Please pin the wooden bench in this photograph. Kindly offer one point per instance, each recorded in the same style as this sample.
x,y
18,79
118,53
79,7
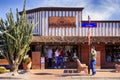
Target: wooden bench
x,y
81,67
117,67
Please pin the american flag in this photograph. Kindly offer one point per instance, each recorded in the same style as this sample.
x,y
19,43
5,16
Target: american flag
x,y
88,30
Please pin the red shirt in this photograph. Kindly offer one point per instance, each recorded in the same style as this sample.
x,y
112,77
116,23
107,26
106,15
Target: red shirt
x,y
61,54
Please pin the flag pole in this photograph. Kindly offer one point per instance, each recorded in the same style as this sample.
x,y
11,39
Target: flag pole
x,y
88,45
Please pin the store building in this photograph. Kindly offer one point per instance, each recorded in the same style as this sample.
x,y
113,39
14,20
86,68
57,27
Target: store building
x,y
62,27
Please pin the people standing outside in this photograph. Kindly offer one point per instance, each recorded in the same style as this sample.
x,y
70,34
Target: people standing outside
x,y
61,56
93,60
57,61
50,52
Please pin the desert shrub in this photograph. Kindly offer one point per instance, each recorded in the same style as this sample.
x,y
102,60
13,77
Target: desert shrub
x,y
3,70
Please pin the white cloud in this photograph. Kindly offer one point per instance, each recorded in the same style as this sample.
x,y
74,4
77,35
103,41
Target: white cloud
x,y
67,3
113,7
104,11
97,9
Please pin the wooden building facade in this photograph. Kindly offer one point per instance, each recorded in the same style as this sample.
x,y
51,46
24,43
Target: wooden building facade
x,y
62,27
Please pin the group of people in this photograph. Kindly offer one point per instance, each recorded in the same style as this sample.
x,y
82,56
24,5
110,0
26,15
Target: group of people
x,y
58,57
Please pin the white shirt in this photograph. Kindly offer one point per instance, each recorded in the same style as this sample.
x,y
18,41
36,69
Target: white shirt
x,y
56,53
50,53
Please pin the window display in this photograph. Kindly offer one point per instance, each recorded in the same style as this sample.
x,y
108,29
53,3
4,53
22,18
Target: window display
x,y
113,53
70,52
62,56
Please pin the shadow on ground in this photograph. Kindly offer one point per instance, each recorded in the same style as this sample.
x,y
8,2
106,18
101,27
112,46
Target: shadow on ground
x,y
43,74
66,73
12,78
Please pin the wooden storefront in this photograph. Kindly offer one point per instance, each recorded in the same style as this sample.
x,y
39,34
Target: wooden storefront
x,y
62,26
83,48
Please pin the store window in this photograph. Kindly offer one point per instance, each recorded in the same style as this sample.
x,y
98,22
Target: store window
x,y
70,51
113,53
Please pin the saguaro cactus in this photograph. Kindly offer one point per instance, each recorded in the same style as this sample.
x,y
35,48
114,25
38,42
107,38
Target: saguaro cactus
x,y
16,38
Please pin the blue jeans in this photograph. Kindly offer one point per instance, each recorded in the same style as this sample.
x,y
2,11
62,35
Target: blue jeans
x,y
57,61
49,62
92,64
62,59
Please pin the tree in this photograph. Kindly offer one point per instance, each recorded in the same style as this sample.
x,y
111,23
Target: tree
x,y
16,38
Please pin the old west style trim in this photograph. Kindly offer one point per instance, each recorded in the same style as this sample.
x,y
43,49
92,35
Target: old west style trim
x,y
75,39
54,9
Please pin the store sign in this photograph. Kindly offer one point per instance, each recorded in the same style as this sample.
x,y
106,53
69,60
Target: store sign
x,y
62,21
89,24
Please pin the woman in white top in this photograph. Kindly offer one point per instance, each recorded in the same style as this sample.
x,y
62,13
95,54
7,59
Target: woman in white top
x,y
57,61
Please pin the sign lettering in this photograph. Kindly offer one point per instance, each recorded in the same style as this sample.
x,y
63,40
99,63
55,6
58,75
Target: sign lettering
x,y
62,22
89,25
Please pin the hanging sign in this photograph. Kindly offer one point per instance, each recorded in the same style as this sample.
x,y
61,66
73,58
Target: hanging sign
x,y
62,22
89,25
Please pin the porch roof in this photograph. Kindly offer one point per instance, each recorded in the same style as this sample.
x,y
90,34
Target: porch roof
x,y
76,39
53,9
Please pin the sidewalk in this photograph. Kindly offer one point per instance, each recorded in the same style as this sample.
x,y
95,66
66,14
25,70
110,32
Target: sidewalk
x,y
58,74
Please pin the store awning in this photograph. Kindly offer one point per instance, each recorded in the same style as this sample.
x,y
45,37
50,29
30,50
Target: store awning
x,y
75,39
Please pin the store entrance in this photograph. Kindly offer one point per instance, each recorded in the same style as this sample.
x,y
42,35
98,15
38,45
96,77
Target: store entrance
x,y
60,56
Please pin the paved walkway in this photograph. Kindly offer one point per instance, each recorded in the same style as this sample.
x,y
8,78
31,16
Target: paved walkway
x,y
58,74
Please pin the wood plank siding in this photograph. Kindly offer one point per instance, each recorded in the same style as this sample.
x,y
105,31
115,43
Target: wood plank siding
x,y
42,15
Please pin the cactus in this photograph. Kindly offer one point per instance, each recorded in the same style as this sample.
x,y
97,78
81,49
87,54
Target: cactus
x,y
16,38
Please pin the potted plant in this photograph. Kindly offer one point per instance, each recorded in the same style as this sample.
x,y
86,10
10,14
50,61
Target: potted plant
x,y
27,63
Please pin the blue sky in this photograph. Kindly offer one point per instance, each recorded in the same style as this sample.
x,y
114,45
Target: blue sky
x,y
97,9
